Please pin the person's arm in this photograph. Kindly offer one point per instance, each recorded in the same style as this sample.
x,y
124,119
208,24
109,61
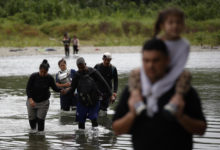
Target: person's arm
x,y
192,121
29,86
73,84
60,85
78,42
123,125
115,82
53,85
68,84
29,90
125,112
193,126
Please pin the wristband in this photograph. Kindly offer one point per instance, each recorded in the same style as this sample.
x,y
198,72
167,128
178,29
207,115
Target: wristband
x,y
139,107
172,108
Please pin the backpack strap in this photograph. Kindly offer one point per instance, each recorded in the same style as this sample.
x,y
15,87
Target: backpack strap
x,y
113,69
98,66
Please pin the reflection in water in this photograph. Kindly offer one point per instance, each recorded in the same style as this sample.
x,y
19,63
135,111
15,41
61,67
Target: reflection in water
x,y
37,141
61,131
67,118
208,85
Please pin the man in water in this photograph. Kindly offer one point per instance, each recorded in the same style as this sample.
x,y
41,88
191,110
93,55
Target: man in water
x,y
110,74
175,120
85,81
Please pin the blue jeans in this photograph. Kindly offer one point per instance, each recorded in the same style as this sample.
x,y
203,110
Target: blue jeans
x,y
83,112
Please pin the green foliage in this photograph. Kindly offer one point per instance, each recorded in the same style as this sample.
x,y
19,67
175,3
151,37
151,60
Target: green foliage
x,y
80,9
102,22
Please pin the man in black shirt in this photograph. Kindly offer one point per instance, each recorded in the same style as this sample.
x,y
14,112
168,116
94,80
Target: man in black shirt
x,y
86,81
110,74
168,130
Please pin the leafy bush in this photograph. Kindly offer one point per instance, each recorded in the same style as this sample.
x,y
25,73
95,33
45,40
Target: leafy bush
x,y
104,22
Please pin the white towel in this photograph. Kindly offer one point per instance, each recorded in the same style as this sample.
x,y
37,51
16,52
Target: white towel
x,y
178,51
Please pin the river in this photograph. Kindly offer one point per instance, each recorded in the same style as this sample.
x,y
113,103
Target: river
x,y
61,132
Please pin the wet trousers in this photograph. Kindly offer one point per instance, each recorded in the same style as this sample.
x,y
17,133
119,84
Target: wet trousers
x,y
37,114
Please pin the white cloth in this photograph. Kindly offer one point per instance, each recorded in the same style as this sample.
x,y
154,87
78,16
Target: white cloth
x,y
64,76
178,52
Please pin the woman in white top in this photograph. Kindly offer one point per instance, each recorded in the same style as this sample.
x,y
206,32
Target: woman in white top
x,y
63,80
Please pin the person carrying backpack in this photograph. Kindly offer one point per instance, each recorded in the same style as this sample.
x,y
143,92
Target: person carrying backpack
x,y
88,82
110,74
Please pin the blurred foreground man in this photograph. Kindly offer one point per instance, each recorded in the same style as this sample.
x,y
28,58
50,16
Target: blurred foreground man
x,y
175,120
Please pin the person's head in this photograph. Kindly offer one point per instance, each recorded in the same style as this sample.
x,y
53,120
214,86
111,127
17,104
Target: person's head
x,y
171,21
65,34
74,36
44,67
62,64
155,59
107,57
81,64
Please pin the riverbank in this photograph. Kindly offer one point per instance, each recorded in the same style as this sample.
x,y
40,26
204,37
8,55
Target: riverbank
x,y
29,51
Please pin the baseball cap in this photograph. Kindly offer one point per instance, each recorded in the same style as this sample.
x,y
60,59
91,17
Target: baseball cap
x,y
107,55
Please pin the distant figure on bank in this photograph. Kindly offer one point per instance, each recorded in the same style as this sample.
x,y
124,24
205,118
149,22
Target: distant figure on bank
x,y
66,43
110,74
75,42
174,120
38,94
87,81
63,80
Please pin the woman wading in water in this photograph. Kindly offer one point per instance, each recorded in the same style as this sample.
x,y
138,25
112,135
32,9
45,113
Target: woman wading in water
x,y
38,94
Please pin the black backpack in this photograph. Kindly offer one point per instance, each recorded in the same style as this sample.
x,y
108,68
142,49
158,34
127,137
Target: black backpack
x,y
87,90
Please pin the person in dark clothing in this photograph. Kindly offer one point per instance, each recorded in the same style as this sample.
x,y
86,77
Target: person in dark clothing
x,y
165,129
38,94
87,81
66,43
110,74
63,80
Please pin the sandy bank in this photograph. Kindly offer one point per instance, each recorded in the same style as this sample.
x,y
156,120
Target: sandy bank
x,y
27,51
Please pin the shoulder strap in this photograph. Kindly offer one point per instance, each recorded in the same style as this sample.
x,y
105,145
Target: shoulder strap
x,y
98,66
113,69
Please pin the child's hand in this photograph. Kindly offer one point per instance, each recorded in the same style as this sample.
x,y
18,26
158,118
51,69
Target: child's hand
x,y
178,100
134,98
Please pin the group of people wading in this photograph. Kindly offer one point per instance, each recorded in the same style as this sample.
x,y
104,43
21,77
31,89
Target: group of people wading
x,y
88,89
158,107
